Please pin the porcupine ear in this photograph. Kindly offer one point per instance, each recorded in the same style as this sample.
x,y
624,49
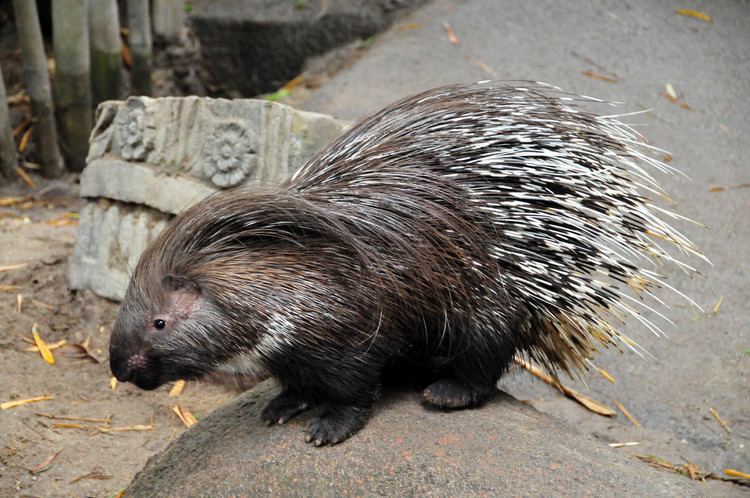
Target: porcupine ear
x,y
183,295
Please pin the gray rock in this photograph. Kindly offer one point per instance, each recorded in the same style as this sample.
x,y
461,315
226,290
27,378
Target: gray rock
x,y
151,158
505,448
255,46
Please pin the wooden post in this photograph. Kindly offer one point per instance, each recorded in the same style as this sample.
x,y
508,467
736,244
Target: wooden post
x,y
139,38
106,79
38,87
70,39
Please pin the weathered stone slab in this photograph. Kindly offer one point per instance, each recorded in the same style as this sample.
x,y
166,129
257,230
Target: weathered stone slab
x,y
506,448
151,158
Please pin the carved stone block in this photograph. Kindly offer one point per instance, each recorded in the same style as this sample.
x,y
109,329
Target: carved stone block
x,y
151,158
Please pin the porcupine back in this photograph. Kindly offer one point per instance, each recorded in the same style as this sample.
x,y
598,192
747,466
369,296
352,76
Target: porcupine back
x,y
539,207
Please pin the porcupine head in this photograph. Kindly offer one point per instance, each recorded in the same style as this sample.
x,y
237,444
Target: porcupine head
x,y
155,313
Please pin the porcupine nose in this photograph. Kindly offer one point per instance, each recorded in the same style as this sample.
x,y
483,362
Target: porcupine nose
x,y
124,368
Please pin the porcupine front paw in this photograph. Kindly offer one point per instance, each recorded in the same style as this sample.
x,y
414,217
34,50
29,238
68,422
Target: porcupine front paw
x,y
448,393
283,407
336,424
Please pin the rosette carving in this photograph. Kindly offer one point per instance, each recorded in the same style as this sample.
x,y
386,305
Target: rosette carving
x,y
228,154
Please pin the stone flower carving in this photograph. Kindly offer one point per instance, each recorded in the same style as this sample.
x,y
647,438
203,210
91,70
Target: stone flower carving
x,y
228,154
130,131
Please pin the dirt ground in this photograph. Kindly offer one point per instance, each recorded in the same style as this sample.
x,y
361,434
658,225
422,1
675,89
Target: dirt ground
x,y
88,461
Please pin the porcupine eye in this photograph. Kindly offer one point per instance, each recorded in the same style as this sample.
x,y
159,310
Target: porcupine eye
x,y
159,324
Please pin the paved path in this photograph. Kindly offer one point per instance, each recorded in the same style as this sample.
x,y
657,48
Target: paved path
x,y
644,45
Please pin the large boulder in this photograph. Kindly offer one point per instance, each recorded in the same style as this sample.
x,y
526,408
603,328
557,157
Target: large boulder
x,y
504,448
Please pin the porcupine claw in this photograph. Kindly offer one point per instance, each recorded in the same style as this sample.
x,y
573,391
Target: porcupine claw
x,y
283,408
336,424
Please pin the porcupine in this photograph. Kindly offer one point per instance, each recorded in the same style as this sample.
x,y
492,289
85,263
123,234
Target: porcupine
x,y
451,230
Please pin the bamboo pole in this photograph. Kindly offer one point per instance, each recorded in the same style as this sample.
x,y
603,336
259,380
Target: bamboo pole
x,y
139,39
38,87
72,81
106,79
8,156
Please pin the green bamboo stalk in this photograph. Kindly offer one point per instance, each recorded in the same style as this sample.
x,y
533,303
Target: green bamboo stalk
x,y
106,66
72,82
139,39
38,87
169,17
8,156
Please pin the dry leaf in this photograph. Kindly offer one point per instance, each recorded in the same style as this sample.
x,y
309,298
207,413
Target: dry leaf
x,y
43,305
26,178
19,303
294,83
53,346
68,425
597,76
623,445
484,67
408,27
667,158
183,414
82,352
43,348
716,189
694,14
9,288
606,375
125,53
177,388
670,92
626,413
736,473
584,400
692,471
13,267
45,465
716,307
451,34
113,383
24,141
20,402
66,219
721,421
22,126
79,419
129,428
18,98
94,474
12,201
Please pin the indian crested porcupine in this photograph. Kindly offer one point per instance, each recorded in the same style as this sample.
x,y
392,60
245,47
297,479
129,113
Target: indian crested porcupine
x,y
451,230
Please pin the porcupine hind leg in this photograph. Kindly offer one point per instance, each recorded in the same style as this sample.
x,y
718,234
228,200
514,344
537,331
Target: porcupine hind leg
x,y
469,379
